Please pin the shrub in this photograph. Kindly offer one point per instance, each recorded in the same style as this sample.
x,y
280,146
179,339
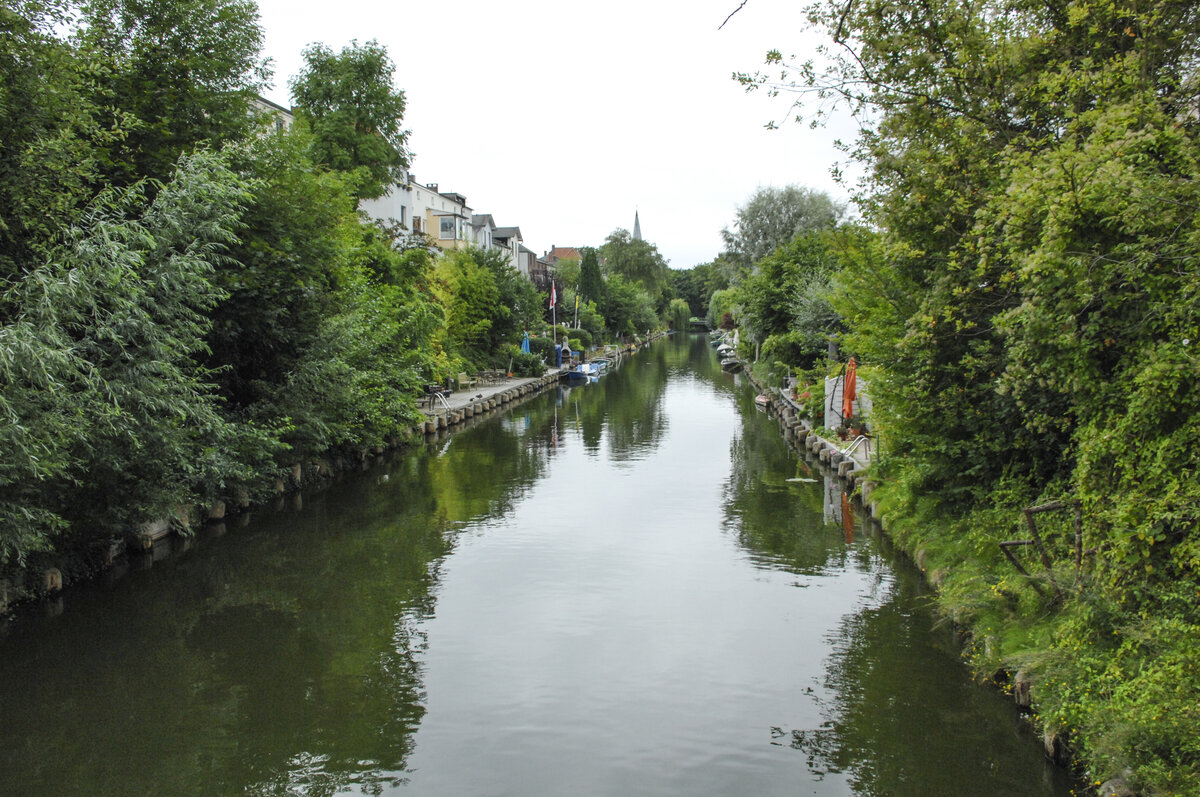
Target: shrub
x,y
521,364
580,336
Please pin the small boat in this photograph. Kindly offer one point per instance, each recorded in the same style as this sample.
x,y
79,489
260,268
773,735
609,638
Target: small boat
x,y
762,401
581,374
724,350
574,377
731,364
601,364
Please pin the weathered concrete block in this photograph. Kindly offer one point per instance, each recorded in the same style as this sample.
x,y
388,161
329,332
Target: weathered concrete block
x,y
1021,689
216,511
152,530
1057,749
1116,787
184,515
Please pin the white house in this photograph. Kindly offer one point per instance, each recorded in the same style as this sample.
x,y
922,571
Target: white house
x,y
393,208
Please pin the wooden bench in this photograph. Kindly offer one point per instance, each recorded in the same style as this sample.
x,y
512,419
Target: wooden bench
x,y
465,382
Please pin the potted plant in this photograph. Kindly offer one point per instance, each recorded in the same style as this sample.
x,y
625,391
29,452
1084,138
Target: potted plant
x,y
857,426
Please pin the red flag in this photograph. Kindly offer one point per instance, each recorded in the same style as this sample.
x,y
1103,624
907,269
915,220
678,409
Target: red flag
x,y
553,295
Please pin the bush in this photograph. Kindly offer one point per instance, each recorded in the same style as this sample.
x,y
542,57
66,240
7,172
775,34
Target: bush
x,y
521,364
543,348
579,336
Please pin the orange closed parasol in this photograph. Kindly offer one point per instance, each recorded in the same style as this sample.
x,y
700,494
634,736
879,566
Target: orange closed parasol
x,y
849,390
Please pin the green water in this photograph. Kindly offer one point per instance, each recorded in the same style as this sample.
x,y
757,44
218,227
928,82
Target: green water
x,y
611,590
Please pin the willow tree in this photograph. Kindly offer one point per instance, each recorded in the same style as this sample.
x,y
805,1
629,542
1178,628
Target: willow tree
x,y
108,416
774,216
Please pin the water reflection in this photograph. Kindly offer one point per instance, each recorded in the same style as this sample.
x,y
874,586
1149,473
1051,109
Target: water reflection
x,y
612,589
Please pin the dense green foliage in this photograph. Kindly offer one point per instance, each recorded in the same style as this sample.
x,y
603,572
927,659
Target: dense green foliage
x,y
48,158
170,74
108,416
591,280
354,113
488,304
192,308
1029,308
784,301
638,261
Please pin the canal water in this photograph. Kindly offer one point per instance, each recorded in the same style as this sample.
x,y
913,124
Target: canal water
x,y
617,589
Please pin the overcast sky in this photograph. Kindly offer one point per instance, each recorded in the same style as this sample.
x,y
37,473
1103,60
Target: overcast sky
x,y
563,118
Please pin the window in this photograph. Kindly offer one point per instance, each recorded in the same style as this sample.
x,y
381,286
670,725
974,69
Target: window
x,y
446,227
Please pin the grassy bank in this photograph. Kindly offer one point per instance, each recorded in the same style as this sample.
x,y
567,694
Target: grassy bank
x,y
1116,688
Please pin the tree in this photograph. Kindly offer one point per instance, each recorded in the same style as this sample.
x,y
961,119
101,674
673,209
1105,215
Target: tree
x,y
1032,169
49,157
636,260
591,280
174,73
628,310
679,312
355,114
282,276
774,216
108,416
786,288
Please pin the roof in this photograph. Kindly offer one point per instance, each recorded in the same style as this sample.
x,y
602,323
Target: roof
x,y
564,253
507,232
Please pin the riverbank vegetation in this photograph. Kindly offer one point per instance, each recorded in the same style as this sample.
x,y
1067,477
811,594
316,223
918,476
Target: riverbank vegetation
x,y
193,310
1023,286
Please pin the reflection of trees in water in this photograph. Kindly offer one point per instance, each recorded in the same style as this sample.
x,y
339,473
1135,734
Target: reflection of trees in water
x,y
776,520
624,407
283,658
893,687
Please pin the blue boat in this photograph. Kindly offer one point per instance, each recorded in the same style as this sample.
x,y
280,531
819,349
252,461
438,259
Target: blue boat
x,y
580,374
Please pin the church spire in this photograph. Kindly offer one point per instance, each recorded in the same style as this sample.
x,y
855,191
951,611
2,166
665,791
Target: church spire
x,y
637,227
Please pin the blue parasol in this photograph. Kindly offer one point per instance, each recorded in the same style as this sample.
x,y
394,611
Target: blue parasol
x,y
525,344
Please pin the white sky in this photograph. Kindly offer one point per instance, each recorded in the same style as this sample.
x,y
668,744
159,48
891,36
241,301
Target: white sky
x,y
562,117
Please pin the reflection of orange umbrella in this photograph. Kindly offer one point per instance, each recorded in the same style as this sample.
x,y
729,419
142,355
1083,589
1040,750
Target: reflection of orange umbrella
x,y
847,519
849,389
